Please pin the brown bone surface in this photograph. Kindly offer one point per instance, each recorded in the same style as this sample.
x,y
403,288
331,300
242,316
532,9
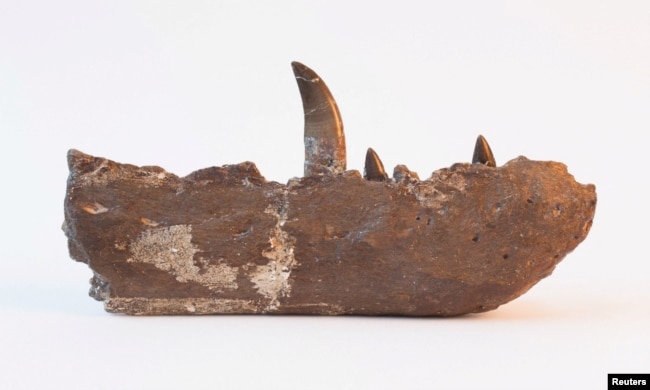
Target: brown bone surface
x,y
225,240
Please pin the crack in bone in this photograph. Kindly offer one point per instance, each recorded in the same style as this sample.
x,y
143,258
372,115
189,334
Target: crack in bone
x,y
314,80
272,280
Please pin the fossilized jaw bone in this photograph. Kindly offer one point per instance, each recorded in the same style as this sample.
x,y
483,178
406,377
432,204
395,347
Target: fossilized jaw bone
x,y
224,240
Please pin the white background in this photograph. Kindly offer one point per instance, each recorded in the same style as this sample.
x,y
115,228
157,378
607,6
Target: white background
x,y
191,84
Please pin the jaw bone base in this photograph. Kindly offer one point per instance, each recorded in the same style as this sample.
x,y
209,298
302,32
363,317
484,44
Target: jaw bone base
x,y
225,240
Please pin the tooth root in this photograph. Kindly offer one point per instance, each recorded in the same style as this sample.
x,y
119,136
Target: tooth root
x,y
324,137
483,153
374,169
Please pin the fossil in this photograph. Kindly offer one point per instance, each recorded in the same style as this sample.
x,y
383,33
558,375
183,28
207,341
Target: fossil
x,y
467,239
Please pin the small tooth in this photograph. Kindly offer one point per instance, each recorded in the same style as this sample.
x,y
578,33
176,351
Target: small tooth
x,y
483,153
324,137
374,169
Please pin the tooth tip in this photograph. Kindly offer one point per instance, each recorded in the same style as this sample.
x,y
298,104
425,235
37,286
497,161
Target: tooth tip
x,y
302,70
374,168
483,153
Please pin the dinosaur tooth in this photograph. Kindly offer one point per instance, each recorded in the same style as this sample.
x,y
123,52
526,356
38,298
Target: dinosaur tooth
x,y
325,152
483,153
374,169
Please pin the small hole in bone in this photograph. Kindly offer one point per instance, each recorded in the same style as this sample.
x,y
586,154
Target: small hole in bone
x,y
505,256
476,238
417,218
557,210
530,200
429,221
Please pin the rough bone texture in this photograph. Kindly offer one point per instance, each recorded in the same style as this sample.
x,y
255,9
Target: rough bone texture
x,y
224,240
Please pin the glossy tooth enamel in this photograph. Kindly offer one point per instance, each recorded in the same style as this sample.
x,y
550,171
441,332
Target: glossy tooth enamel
x,y
483,153
324,137
374,169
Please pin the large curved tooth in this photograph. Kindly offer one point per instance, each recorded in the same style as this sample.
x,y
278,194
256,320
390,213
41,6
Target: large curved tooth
x,y
483,153
324,137
374,169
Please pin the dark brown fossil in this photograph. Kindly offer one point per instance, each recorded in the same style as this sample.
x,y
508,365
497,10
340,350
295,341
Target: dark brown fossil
x,y
224,240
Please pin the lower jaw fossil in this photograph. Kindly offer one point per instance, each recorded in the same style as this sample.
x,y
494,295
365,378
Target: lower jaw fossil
x,y
224,240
